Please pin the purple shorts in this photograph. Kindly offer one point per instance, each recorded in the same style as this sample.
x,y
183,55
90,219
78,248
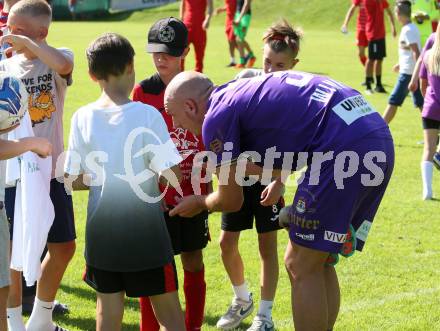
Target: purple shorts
x,y
329,200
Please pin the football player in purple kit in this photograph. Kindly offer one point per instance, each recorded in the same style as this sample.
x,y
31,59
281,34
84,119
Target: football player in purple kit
x,y
349,152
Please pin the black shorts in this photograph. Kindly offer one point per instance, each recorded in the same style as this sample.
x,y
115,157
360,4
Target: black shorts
x,y
188,234
63,227
266,218
430,124
377,49
135,284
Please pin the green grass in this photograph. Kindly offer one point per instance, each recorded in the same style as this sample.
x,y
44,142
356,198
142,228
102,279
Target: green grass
x,y
392,285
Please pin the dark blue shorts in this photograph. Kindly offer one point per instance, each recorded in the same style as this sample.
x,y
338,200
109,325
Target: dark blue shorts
x,y
400,92
63,227
322,211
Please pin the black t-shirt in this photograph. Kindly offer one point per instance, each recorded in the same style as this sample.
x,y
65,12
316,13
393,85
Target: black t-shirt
x,y
240,5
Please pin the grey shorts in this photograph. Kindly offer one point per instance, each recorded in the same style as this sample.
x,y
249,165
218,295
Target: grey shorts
x,y
4,248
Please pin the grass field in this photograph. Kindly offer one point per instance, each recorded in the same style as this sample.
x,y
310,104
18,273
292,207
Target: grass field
x,y
393,284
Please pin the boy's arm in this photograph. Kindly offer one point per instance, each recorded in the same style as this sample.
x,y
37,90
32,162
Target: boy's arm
x,y
209,15
246,6
228,197
414,83
391,17
50,56
348,16
423,86
182,9
172,176
220,10
77,183
13,148
415,51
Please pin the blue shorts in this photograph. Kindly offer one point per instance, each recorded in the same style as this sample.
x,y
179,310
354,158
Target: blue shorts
x,y
322,213
63,227
400,92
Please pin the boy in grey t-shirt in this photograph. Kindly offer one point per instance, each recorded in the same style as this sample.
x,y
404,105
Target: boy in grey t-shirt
x,y
124,145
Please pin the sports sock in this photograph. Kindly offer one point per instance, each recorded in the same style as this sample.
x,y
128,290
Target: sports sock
x,y
148,318
194,287
363,59
242,292
368,82
379,80
15,319
41,317
250,55
232,59
265,308
242,60
427,168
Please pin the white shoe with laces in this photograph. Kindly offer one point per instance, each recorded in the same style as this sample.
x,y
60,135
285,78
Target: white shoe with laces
x,y
237,312
261,323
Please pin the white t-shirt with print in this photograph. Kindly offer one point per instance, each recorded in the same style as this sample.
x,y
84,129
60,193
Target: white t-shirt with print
x,y
125,229
408,35
47,91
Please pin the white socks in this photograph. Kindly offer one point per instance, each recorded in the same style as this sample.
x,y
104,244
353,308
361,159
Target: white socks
x,y
15,319
265,308
242,292
427,169
41,317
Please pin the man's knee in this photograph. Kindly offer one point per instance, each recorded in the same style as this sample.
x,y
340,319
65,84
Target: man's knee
x,y
300,264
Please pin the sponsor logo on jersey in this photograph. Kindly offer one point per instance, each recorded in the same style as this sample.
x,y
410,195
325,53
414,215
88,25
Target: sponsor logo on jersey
x,y
307,237
335,237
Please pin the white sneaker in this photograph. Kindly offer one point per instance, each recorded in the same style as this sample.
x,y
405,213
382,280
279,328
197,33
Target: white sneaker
x,y
237,312
261,323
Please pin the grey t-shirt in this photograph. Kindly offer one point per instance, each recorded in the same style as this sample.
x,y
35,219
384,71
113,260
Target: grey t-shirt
x,y
125,230
47,91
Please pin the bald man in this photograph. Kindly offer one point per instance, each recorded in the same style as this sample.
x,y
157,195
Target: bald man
x,y
345,143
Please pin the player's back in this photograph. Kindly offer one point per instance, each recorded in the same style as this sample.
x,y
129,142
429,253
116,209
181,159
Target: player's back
x,y
294,111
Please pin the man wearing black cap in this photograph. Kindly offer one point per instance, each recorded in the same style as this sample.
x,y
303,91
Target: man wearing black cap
x,y
168,44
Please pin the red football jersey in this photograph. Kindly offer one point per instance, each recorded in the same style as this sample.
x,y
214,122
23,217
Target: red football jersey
x,y
375,27
194,14
151,91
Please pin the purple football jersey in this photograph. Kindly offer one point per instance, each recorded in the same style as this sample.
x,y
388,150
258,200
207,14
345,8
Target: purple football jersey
x,y
291,111
428,45
431,106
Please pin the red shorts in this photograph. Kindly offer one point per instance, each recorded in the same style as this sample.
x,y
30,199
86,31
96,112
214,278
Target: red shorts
x,y
229,30
361,38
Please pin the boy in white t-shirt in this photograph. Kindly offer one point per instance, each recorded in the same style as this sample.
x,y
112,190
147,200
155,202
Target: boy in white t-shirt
x,y
409,51
124,145
8,150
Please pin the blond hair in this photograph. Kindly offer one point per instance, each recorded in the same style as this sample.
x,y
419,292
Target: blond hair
x,y
33,8
283,36
434,55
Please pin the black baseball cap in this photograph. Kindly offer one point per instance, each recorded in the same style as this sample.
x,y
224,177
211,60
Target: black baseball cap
x,y
168,35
